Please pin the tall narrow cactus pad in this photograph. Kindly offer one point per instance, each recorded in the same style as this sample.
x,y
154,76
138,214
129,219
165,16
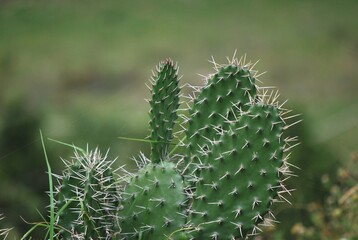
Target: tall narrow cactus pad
x,y
100,202
153,205
241,178
227,93
163,112
87,198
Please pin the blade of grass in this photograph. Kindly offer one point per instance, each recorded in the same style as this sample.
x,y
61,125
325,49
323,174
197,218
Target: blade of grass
x,y
68,145
52,200
177,145
150,141
142,140
42,216
40,224
44,219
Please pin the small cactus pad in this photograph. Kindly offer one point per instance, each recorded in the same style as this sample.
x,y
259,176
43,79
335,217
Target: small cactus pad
x,y
87,198
101,203
67,198
153,205
227,93
163,112
241,178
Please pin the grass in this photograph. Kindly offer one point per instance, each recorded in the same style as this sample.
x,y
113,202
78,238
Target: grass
x,y
51,226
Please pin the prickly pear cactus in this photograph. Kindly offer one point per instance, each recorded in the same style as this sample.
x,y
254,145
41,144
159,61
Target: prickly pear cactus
x,y
233,169
222,184
239,182
235,154
154,203
154,200
87,198
67,198
164,105
228,92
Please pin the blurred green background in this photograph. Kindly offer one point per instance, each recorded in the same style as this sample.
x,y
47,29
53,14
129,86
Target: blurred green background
x,y
77,71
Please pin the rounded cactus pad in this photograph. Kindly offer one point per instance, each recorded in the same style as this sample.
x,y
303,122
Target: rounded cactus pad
x,y
153,205
241,178
228,92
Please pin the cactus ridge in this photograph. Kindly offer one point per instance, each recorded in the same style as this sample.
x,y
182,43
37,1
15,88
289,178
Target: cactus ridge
x,y
154,203
89,190
164,105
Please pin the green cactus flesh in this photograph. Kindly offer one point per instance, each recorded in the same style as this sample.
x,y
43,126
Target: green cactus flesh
x,y
87,198
100,204
153,205
241,178
163,112
228,92
67,200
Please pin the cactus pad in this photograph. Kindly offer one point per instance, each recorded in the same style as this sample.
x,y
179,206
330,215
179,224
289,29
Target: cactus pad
x,y
242,177
87,198
153,205
163,112
227,93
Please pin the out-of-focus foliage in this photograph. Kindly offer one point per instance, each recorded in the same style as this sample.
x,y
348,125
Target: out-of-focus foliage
x,y
337,217
308,186
22,171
